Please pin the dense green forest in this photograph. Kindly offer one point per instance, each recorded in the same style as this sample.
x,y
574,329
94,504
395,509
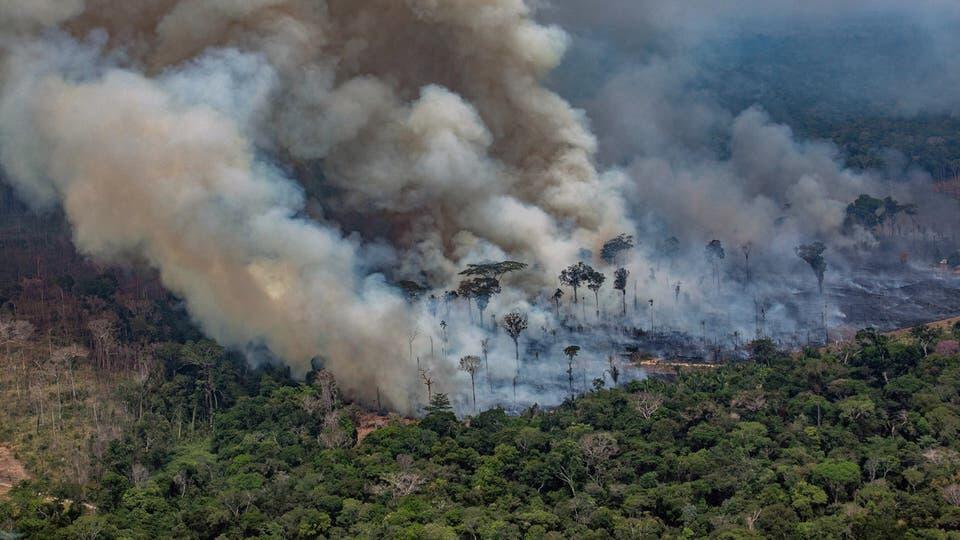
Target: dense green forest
x,y
859,442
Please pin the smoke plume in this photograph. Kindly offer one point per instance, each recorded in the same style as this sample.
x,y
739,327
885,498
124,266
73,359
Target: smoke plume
x,y
178,132
284,163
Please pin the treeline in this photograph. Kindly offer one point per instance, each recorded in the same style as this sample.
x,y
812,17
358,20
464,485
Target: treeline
x,y
857,442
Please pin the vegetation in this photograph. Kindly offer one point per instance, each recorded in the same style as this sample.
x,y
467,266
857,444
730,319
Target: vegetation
x,y
859,442
812,254
615,247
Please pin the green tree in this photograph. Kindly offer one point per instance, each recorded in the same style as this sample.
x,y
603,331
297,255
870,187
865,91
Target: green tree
x,y
837,476
440,417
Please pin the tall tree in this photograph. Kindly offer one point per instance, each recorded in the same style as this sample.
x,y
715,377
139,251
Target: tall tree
x,y
466,290
620,284
594,282
571,352
614,248
471,364
482,289
813,255
428,382
715,255
613,370
448,298
485,349
668,249
747,249
485,282
557,295
411,338
205,355
574,276
866,212
515,323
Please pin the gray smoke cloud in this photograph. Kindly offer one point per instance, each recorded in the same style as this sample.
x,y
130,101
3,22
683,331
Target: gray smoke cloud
x,y
643,71
679,113
281,162
164,130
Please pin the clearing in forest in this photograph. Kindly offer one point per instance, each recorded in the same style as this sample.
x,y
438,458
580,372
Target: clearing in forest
x,y
11,471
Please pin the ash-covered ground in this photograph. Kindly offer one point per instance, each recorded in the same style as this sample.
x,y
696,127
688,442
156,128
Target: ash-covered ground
x,y
886,300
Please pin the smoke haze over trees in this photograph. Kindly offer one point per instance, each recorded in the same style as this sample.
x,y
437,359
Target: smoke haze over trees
x,y
314,177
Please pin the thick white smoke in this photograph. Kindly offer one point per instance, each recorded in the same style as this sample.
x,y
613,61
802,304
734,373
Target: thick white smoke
x,y
160,130
281,162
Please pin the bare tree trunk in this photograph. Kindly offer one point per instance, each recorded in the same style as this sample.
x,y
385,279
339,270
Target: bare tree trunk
x,y
516,347
473,387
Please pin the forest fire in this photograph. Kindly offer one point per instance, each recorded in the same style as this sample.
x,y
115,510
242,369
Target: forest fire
x,y
479,269
396,216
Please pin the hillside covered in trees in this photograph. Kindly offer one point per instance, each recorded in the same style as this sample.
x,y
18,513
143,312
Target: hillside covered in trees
x,y
858,442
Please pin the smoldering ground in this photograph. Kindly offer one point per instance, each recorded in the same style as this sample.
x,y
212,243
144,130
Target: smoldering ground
x,y
680,110
283,163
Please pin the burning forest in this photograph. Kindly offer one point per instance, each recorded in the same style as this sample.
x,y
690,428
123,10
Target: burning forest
x,y
479,269
415,196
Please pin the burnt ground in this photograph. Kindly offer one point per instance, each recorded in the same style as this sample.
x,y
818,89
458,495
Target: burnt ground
x,y
888,303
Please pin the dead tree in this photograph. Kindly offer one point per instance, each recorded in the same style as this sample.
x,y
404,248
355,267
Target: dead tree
x,y
471,364
65,358
598,449
428,382
410,340
485,349
647,404
104,339
613,370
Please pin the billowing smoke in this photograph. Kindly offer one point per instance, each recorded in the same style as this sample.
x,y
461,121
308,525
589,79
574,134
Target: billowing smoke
x,y
284,164
677,97
177,132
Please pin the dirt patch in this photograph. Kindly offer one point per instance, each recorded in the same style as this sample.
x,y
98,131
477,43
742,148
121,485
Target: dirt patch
x,y
367,423
12,471
945,325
